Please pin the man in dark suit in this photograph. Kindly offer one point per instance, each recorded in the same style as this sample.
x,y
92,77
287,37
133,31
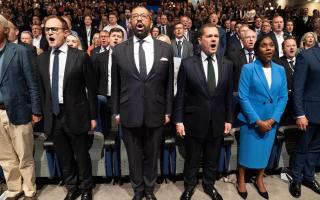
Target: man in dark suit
x,y
164,28
20,108
278,35
102,65
203,110
288,60
214,19
244,56
104,44
303,23
289,29
181,47
190,35
142,95
39,40
306,104
236,41
68,92
87,31
257,25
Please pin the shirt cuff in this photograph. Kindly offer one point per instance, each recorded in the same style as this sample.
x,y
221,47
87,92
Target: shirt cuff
x,y
179,124
300,116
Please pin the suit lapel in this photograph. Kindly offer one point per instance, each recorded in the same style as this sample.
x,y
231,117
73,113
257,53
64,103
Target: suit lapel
x,y
156,60
221,70
71,58
184,49
316,52
130,56
243,57
262,77
10,51
200,72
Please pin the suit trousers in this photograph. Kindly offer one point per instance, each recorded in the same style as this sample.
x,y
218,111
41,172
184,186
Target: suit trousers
x,y
306,154
208,149
104,115
73,153
16,157
143,148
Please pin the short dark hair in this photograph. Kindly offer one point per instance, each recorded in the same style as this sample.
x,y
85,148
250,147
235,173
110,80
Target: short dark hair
x,y
114,30
258,43
207,25
175,24
63,22
288,38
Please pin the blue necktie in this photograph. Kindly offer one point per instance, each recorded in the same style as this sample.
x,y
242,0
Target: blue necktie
x,y
55,83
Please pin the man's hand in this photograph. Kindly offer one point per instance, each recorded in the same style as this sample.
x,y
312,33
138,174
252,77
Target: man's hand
x,y
36,119
263,126
180,130
166,119
93,124
227,128
302,123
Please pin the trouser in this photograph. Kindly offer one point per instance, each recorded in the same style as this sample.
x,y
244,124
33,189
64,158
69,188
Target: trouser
x,y
209,148
73,153
16,157
306,154
143,148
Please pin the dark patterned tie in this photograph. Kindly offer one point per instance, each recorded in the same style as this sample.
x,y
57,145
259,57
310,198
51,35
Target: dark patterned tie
x,y
291,66
250,57
211,80
55,83
142,61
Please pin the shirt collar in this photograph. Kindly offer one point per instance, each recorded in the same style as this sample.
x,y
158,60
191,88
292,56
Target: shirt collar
x,y
247,52
177,40
204,56
147,39
63,48
293,59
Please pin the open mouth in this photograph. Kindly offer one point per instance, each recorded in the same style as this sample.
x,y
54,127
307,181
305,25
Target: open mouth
x,y
140,26
51,39
213,45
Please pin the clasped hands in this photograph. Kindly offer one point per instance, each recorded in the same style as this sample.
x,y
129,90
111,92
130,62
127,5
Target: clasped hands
x,y
265,126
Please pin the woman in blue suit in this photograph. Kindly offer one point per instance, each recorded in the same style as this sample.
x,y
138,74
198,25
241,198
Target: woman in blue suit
x,y
262,97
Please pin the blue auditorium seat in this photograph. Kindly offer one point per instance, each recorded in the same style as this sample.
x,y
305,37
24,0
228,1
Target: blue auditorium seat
x,y
225,152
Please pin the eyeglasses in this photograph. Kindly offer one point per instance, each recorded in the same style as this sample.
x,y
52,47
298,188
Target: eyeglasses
x,y
53,29
142,16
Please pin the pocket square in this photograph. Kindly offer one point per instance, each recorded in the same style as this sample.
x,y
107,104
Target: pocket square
x,y
163,59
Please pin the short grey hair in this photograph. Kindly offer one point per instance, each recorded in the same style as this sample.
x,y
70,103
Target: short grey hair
x,y
3,22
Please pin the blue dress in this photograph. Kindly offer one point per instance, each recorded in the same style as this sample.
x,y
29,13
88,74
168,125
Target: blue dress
x,y
259,102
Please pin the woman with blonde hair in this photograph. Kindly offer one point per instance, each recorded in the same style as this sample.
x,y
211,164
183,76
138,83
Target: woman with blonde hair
x,y
74,42
95,43
308,40
164,38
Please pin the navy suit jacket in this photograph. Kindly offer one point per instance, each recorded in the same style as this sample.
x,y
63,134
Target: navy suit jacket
x,y
195,106
19,85
306,82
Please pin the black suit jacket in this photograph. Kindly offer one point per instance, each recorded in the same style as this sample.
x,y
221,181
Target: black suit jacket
x,y
169,31
100,65
79,91
194,106
239,59
44,45
142,102
289,72
83,34
233,46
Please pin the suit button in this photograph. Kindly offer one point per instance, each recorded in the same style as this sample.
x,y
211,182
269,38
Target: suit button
x,y
264,102
270,101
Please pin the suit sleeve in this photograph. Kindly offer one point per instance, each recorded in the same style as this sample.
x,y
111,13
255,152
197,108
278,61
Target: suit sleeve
x,y
31,77
229,95
181,89
115,84
91,84
300,76
282,98
244,85
169,92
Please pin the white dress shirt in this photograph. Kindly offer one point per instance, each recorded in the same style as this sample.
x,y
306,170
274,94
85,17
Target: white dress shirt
x,y
294,62
62,66
280,40
267,73
88,32
109,72
247,55
177,41
36,41
148,48
205,66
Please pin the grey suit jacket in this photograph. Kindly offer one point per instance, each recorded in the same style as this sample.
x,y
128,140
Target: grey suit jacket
x,y
187,48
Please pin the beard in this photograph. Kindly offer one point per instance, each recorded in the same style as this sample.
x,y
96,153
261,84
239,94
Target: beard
x,y
139,32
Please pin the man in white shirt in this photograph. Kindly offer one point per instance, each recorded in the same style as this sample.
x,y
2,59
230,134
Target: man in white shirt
x,y
39,41
113,19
